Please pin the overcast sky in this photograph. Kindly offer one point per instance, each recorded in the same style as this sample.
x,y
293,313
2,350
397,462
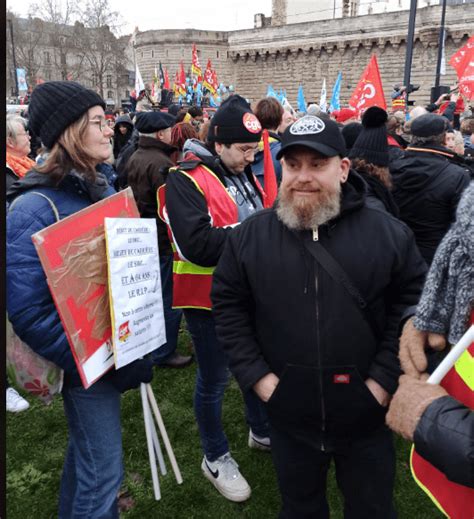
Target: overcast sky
x,y
223,15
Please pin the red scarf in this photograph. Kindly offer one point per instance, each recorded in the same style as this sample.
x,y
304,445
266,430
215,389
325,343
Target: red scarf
x,y
19,165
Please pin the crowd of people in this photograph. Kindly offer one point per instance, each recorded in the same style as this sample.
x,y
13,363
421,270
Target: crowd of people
x,y
316,302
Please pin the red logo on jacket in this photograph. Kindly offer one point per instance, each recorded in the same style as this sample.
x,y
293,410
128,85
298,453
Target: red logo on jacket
x,y
342,378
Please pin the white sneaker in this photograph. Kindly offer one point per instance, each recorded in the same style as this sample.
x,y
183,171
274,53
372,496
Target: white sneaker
x,y
259,442
15,402
224,474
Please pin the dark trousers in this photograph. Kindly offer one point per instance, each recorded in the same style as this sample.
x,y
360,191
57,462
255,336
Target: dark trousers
x,y
365,472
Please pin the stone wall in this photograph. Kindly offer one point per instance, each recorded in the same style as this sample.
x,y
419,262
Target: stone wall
x,y
305,53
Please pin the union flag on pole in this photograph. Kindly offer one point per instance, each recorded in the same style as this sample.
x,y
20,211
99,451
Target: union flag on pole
x,y
369,90
463,63
182,80
166,82
208,81
454,500
195,66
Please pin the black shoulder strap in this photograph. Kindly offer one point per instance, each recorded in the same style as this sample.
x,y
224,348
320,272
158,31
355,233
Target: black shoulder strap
x,y
332,267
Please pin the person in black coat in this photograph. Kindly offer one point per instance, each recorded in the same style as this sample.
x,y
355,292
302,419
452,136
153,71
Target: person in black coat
x,y
122,132
369,156
299,336
427,185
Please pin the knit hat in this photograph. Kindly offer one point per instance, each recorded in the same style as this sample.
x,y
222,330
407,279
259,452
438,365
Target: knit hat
x,y
371,145
350,132
55,105
234,121
150,122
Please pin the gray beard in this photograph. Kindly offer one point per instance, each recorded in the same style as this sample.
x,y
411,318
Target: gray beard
x,y
301,217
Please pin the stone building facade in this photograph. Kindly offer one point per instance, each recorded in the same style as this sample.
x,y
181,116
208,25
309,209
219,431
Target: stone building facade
x,y
287,55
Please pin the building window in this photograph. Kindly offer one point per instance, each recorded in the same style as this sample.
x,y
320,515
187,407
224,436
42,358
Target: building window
x,y
109,80
152,53
217,53
47,75
166,52
127,93
47,57
141,54
110,94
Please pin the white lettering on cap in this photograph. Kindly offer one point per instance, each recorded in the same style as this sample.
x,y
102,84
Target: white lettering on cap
x,y
307,125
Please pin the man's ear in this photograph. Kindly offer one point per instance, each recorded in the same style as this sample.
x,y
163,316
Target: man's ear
x,y
218,147
345,168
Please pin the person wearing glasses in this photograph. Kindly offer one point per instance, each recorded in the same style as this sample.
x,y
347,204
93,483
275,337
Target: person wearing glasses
x,y
70,121
211,191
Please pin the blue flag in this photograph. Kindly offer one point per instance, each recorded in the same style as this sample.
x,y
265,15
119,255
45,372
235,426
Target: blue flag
x,y
271,92
335,103
301,100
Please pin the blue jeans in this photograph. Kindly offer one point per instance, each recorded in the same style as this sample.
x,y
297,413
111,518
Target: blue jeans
x,y
172,317
212,379
93,468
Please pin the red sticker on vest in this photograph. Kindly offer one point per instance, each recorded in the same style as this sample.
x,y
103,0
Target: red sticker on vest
x,y
342,379
251,123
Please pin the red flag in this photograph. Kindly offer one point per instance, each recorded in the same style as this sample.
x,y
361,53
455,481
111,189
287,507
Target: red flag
x,y
369,91
463,62
182,80
456,501
166,83
269,176
208,81
195,66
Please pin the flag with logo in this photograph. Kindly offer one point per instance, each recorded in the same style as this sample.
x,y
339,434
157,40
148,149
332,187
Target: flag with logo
x,y
208,80
301,100
369,90
195,66
182,80
166,80
454,500
139,84
463,63
322,98
335,103
162,76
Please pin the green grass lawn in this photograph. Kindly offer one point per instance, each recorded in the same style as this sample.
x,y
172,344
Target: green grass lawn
x,y
36,443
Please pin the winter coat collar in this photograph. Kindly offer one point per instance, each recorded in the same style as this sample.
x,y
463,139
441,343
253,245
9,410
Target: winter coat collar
x,y
145,142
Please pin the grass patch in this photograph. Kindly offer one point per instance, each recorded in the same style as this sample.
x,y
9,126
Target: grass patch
x,y
36,443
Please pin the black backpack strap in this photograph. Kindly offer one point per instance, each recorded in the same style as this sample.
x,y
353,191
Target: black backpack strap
x,y
332,267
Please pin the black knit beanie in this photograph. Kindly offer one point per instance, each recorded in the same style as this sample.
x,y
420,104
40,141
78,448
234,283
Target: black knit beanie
x,y
234,121
350,132
55,105
371,144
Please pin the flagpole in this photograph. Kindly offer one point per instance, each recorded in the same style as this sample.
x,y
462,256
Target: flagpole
x,y
448,362
409,53
440,45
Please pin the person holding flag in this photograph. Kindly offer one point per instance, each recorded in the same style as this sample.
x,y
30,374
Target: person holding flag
x,y
440,418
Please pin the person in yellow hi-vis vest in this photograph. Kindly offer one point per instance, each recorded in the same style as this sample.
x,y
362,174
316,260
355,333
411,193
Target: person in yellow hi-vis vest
x,y
209,192
440,418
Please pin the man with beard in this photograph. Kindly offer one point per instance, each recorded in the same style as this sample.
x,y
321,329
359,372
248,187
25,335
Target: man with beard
x,y
308,300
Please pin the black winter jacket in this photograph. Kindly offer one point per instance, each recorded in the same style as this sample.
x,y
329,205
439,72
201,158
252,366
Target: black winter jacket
x,y
444,436
279,311
427,189
146,171
198,240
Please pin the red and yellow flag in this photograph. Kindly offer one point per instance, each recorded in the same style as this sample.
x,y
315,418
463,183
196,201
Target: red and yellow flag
x,y
369,90
208,81
195,66
454,500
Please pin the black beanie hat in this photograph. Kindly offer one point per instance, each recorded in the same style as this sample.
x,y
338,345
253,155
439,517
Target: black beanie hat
x,y
371,145
350,132
55,105
234,121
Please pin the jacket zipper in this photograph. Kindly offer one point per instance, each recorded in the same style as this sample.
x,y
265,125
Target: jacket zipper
x,y
318,337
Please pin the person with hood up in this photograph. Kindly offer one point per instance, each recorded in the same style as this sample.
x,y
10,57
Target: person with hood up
x,y
71,123
206,195
308,296
427,184
122,132
369,157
